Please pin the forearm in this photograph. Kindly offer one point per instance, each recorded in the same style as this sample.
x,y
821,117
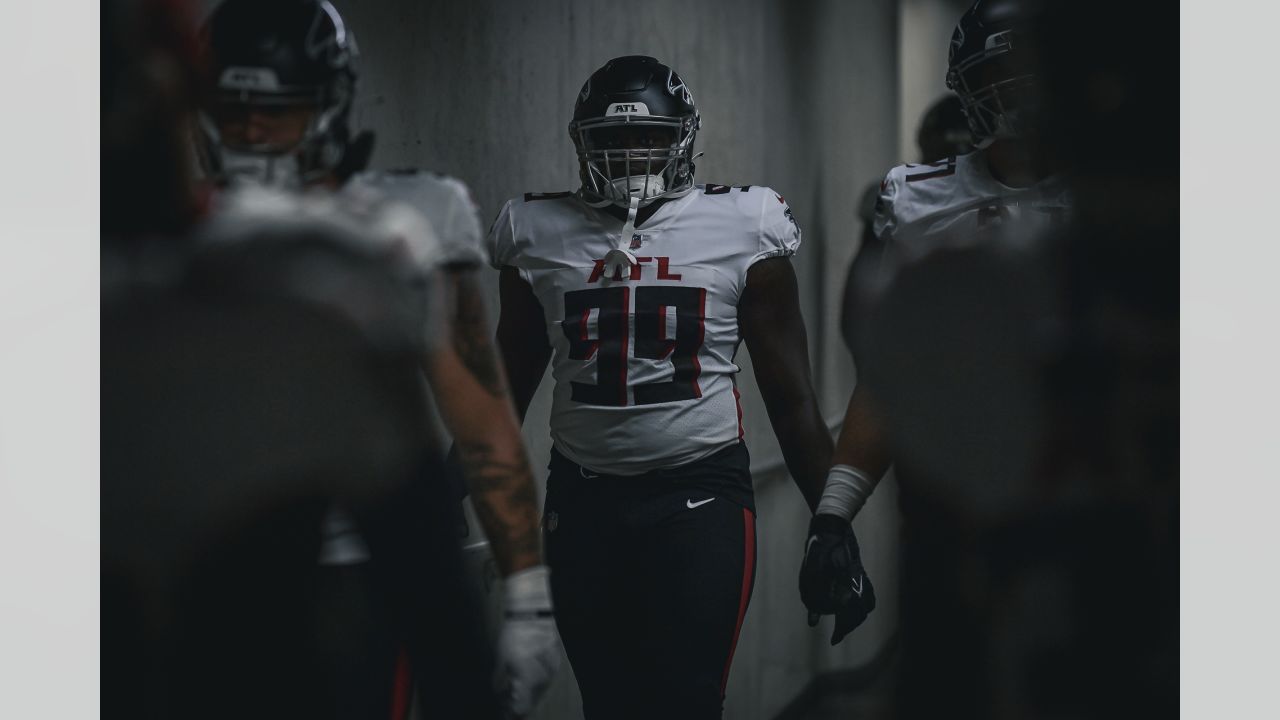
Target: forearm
x,y
476,406
493,459
806,446
863,442
860,459
773,328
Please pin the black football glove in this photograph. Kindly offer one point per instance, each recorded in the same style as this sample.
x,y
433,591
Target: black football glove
x,y
832,580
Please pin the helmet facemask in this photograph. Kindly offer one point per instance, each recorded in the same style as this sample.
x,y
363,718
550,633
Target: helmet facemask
x,y
647,157
998,89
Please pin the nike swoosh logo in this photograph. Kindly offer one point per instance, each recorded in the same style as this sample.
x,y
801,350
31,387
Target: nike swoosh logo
x,y
857,585
693,504
812,540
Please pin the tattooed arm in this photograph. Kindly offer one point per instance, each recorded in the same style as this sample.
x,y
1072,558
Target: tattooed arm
x,y
471,390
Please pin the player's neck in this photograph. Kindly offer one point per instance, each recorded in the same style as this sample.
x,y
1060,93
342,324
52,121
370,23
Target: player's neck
x,y
642,214
1014,164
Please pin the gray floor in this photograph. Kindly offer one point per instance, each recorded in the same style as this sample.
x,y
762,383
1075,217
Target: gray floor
x,y
847,696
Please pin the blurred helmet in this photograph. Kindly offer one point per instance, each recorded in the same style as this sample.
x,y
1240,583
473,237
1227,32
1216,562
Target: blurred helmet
x,y
991,69
273,57
944,130
633,128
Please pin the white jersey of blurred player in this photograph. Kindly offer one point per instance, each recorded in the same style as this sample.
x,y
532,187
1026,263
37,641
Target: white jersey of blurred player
x,y
444,201
446,205
429,218
955,201
390,233
643,363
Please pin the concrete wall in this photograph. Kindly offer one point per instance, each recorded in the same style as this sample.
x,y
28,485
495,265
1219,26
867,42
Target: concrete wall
x,y
802,96
925,34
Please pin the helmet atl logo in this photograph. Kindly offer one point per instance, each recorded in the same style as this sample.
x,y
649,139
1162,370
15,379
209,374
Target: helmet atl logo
x,y
635,108
586,91
674,83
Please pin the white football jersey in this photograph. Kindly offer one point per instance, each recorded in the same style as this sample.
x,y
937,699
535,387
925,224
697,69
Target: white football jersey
x,y
443,200
643,364
373,224
957,200
391,234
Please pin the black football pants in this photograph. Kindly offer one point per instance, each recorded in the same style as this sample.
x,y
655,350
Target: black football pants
x,y
651,576
406,617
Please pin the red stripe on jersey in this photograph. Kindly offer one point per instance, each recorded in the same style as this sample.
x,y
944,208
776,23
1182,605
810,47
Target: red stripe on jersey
x,y
626,333
748,579
702,334
737,400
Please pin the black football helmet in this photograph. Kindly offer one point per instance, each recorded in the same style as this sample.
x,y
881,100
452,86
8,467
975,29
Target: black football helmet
x,y
943,130
990,67
271,55
633,128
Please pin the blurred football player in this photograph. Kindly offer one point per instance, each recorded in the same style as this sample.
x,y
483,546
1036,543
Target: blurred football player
x,y
258,365
957,201
943,132
1029,380
638,288
285,80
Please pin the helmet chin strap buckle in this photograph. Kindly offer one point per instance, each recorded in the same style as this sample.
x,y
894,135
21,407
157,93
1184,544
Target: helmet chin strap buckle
x,y
620,258
646,187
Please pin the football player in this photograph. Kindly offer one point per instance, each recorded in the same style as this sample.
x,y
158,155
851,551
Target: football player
x,y
638,288
943,132
249,382
280,115
956,201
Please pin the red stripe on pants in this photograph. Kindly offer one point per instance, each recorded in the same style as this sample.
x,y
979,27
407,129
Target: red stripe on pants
x,y
400,691
748,575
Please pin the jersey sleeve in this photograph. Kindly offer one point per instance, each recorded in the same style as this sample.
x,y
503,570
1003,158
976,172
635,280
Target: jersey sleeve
x,y
779,231
884,221
461,236
501,242
444,201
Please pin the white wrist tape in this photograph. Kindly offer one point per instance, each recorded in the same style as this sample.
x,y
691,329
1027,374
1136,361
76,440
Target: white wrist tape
x,y
846,491
529,589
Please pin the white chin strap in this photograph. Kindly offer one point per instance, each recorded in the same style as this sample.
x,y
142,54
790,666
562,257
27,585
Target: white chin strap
x,y
620,258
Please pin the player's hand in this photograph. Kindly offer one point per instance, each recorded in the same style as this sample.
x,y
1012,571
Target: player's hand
x,y
832,580
529,646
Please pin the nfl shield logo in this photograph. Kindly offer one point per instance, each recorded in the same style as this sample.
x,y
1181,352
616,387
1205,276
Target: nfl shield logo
x,y
636,239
